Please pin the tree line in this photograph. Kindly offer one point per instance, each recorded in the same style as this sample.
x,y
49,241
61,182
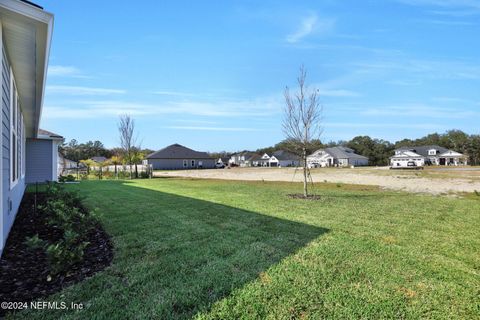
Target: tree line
x,y
75,151
378,151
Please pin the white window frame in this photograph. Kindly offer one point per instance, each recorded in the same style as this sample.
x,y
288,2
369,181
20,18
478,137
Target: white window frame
x,y
192,162
185,163
13,131
23,163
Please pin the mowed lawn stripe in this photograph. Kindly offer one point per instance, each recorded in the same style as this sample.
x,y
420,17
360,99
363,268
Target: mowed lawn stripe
x,y
221,249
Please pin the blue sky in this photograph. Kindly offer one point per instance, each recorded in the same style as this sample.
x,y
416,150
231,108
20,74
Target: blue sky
x,y
211,74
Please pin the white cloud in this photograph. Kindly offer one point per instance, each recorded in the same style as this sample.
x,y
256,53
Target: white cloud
x,y
448,22
337,93
65,71
308,25
260,107
198,128
427,69
419,111
81,91
368,125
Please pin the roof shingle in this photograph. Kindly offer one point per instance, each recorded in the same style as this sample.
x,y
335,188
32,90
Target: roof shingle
x,y
177,151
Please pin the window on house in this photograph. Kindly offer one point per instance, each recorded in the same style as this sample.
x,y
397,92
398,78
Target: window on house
x,y
193,163
16,129
185,163
23,144
19,141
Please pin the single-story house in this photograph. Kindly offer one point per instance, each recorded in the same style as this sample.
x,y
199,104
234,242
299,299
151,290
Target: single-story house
x,y
176,157
431,154
25,35
336,157
42,160
283,158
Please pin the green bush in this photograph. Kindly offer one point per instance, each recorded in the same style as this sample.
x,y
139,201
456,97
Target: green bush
x,y
66,252
35,242
69,178
64,211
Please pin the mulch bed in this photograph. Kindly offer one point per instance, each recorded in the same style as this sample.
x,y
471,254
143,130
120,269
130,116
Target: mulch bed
x,y
24,273
302,197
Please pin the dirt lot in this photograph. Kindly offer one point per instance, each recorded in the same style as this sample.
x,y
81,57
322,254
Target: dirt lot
x,y
432,180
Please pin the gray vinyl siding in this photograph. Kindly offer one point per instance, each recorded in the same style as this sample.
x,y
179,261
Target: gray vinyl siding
x,y
177,164
39,161
11,197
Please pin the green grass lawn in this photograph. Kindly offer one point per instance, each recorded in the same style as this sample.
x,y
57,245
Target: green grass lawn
x,y
228,250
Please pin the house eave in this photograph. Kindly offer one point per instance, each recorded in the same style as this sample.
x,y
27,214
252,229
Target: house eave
x,y
27,34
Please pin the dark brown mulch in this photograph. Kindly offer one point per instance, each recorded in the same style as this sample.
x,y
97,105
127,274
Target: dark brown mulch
x,y
301,196
24,273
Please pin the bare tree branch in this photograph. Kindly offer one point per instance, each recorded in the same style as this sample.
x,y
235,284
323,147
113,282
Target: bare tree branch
x,y
126,128
303,119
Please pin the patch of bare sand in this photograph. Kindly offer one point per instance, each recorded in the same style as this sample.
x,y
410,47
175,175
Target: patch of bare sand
x,y
394,180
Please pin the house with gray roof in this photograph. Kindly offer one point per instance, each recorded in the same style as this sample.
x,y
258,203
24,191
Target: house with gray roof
x,y
336,157
99,159
177,157
427,155
282,158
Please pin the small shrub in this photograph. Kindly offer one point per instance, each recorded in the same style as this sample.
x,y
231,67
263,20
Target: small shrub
x,y
477,193
68,178
108,174
64,210
66,253
35,242
143,175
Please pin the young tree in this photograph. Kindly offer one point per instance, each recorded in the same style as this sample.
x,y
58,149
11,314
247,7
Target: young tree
x,y
137,158
126,128
302,121
89,163
115,160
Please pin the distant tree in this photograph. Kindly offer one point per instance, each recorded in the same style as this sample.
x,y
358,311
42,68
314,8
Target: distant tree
x,y
116,160
126,129
456,140
137,157
376,150
217,155
404,143
89,163
302,121
474,149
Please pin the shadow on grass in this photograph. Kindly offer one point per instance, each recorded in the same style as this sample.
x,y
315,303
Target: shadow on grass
x,y
176,256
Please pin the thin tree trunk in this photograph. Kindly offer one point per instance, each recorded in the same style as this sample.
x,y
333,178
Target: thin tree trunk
x,y
305,182
136,171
